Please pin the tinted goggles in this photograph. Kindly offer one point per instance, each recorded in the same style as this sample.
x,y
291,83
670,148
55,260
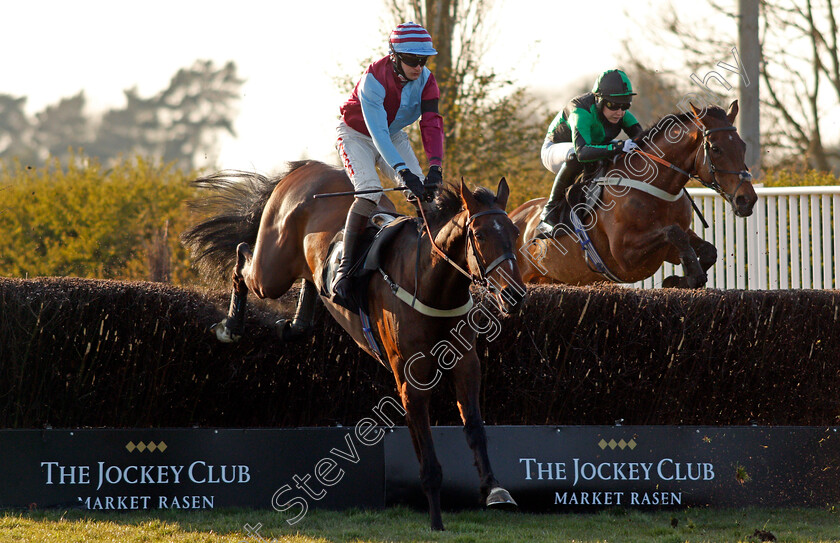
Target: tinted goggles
x,y
614,106
412,60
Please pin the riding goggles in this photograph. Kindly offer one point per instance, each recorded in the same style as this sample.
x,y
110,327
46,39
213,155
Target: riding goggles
x,y
614,106
412,60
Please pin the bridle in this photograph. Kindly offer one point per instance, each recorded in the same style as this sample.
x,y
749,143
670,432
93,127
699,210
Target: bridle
x,y
743,175
484,270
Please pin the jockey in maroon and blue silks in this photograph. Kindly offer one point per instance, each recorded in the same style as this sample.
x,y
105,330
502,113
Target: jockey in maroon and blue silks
x,y
392,94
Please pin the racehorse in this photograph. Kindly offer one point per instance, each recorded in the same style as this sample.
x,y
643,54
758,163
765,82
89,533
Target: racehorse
x,y
291,232
639,223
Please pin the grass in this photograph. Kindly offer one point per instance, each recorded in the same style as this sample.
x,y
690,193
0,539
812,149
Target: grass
x,y
400,524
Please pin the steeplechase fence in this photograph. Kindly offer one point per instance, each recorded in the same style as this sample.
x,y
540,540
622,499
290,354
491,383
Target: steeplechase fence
x,y
790,241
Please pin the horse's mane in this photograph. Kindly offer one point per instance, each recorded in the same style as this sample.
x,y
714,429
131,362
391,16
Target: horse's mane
x,y
684,118
447,203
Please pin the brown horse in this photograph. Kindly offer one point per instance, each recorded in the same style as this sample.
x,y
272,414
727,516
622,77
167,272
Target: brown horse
x,y
291,232
634,227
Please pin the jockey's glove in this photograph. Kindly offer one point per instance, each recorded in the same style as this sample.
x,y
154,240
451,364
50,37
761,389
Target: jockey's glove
x,y
627,145
412,182
434,177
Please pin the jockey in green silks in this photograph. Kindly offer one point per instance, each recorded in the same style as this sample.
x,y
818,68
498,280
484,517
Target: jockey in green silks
x,y
584,133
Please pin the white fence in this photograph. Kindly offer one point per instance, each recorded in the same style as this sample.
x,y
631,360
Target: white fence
x,y
792,240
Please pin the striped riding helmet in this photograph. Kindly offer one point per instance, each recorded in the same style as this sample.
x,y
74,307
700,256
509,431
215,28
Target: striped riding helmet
x,y
411,38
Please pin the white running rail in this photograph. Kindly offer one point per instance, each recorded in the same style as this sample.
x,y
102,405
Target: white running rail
x,y
792,240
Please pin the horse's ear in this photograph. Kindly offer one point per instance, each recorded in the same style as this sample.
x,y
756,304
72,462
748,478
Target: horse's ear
x,y
697,112
502,193
733,112
467,198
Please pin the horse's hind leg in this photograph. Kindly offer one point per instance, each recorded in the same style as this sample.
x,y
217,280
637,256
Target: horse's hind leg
x,y
695,274
467,374
230,329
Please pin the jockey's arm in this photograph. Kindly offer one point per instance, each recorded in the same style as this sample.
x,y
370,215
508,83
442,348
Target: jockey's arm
x,y
431,122
372,100
431,130
581,124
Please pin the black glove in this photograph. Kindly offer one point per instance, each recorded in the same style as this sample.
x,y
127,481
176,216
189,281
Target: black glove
x,y
412,182
434,177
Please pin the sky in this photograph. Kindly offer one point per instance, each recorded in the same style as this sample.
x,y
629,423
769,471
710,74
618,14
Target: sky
x,y
289,52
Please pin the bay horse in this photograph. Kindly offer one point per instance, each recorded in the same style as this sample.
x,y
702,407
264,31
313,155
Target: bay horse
x,y
291,232
641,222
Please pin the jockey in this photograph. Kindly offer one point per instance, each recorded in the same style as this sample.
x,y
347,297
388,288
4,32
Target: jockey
x,y
583,133
392,94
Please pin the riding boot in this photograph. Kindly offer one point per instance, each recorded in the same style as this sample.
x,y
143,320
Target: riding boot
x,y
353,229
562,181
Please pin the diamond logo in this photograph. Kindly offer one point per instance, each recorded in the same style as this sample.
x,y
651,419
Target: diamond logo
x,y
130,446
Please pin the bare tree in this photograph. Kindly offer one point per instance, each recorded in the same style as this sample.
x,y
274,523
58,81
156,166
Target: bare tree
x,y
492,127
800,69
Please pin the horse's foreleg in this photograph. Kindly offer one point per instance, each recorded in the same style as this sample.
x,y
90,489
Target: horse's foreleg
x,y
467,374
706,252
431,475
290,330
231,328
695,275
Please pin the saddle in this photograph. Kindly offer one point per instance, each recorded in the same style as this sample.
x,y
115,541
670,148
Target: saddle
x,y
381,229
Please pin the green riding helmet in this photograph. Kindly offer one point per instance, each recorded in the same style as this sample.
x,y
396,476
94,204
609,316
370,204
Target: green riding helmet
x,y
614,86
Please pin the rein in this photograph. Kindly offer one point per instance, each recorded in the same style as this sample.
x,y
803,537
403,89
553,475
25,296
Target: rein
x,y
744,175
480,279
484,271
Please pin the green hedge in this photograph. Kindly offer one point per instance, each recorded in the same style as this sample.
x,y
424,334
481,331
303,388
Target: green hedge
x,y
107,353
80,219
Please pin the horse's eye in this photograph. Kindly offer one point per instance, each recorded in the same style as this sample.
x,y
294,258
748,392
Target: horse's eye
x,y
716,149
479,236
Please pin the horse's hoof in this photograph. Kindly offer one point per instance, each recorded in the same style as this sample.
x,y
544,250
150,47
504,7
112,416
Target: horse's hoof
x,y
499,498
223,333
287,332
671,282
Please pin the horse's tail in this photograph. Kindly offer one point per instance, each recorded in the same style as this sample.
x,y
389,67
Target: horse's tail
x,y
233,206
